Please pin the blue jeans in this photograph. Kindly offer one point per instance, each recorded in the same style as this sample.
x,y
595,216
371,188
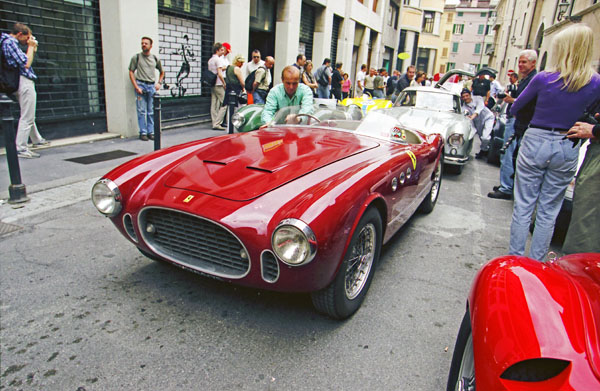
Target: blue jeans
x,y
545,167
145,107
259,96
506,161
323,92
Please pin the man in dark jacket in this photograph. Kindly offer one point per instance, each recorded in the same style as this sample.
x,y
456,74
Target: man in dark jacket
x,y
404,81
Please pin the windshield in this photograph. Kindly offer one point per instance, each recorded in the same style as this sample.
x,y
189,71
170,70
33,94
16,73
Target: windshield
x,y
430,100
381,124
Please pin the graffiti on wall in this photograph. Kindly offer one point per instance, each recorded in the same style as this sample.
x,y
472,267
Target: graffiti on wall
x,y
180,56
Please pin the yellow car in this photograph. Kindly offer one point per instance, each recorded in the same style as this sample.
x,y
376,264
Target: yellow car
x,y
366,103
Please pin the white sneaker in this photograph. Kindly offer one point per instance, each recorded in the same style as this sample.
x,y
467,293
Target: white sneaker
x,y
27,154
42,142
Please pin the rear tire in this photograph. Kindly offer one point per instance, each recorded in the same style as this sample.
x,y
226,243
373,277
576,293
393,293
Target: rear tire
x,y
428,203
462,368
345,294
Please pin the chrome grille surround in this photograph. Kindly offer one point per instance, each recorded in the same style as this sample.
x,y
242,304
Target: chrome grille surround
x,y
128,225
193,241
269,266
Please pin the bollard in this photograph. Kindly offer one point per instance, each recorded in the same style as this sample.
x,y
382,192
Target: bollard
x,y
156,104
232,102
16,190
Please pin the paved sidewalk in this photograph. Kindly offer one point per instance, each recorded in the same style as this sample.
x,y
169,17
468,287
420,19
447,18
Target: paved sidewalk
x,y
53,182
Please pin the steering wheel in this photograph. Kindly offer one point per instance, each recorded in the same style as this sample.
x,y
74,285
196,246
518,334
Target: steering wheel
x,y
309,116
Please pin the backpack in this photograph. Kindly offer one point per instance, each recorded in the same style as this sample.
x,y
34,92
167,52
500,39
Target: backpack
x,y
391,85
322,79
249,82
9,76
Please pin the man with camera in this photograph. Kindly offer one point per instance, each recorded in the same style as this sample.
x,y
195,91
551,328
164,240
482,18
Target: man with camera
x,y
26,95
515,127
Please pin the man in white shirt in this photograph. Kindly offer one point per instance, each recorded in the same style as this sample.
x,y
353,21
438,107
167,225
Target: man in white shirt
x,y
495,86
482,117
253,65
360,80
217,65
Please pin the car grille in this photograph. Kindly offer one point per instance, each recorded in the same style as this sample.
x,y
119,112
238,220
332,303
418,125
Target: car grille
x,y
194,242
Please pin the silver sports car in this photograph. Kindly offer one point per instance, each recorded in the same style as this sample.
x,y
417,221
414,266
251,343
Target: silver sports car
x,y
438,110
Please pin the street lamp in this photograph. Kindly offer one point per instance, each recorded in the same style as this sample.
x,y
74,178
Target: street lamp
x,y
563,7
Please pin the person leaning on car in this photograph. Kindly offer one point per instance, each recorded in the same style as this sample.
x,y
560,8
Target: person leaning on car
x,y
289,93
583,235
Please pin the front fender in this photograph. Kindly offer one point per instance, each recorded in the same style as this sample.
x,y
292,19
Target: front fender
x,y
523,309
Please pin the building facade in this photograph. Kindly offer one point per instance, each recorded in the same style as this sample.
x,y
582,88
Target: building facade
x,y
86,47
533,25
472,35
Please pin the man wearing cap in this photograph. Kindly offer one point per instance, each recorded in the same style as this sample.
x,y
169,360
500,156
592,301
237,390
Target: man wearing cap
x,y
482,118
227,47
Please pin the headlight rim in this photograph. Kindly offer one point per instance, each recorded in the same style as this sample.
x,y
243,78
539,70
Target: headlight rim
x,y
308,234
114,189
460,136
238,120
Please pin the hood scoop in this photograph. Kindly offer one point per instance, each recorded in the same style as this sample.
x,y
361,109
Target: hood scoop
x,y
247,165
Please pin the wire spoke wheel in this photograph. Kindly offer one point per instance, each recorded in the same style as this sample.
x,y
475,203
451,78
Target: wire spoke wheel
x,y
437,180
466,374
360,262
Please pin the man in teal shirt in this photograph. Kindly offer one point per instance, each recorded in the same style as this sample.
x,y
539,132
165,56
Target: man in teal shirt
x,y
289,93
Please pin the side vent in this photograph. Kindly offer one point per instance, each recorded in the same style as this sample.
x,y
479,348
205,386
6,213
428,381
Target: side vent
x,y
128,224
535,370
269,267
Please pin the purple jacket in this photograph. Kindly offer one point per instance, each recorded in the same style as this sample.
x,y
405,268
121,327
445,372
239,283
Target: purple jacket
x,y
556,107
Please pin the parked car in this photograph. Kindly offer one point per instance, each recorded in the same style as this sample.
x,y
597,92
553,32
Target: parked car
x,y
531,326
438,110
295,208
366,103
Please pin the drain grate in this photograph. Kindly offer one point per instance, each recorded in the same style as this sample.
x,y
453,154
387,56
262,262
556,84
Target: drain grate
x,y
8,228
101,157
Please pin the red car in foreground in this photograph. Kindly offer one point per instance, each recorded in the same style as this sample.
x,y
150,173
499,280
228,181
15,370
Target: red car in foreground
x,y
303,208
531,326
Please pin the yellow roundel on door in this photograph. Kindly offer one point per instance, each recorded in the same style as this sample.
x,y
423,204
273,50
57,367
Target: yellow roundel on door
x,y
413,158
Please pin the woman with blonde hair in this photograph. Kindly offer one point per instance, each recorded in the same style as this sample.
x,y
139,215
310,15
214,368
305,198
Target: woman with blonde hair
x,y
547,160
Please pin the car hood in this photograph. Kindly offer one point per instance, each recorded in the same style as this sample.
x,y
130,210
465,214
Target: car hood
x,y
248,165
428,121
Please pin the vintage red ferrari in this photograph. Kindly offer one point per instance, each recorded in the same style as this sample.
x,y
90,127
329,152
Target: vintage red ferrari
x,y
296,208
531,326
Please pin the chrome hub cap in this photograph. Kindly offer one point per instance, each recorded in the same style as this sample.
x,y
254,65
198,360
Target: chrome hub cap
x,y
360,262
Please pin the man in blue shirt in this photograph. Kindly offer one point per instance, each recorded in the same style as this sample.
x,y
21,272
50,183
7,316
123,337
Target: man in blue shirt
x,y
26,95
289,93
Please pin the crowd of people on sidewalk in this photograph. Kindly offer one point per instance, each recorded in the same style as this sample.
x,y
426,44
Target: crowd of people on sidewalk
x,y
548,113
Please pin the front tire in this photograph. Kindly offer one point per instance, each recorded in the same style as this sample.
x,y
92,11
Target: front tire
x,y
462,368
344,296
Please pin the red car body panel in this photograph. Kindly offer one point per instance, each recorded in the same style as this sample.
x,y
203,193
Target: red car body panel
x,y
249,182
523,309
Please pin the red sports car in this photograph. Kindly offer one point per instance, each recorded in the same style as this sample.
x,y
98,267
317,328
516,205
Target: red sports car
x,y
531,326
297,208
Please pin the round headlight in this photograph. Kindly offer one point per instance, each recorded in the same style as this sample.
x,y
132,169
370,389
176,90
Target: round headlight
x,y
294,242
237,120
456,140
106,197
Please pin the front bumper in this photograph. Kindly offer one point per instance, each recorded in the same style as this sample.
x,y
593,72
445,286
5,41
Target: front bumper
x,y
456,160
